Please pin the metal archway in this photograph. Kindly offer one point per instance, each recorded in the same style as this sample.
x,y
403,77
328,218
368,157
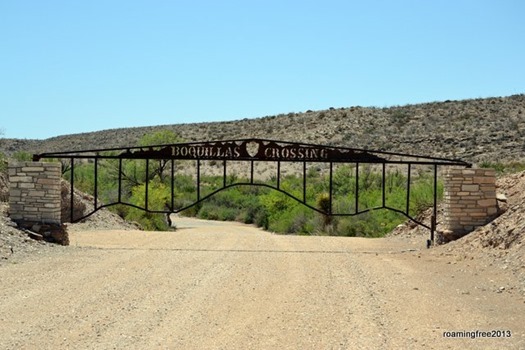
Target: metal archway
x,y
252,151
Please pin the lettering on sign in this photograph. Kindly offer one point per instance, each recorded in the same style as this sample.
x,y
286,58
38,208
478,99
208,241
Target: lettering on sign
x,y
206,152
253,150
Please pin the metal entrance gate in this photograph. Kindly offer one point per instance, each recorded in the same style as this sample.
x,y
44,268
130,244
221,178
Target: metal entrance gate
x,y
251,152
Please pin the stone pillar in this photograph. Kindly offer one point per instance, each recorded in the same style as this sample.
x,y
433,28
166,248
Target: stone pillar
x,y
469,200
34,192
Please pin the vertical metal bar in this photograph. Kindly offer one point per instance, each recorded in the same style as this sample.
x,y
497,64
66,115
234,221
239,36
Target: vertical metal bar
x,y
95,194
434,213
356,188
278,174
224,173
172,185
384,185
120,180
331,187
72,193
251,172
409,175
147,184
198,180
304,182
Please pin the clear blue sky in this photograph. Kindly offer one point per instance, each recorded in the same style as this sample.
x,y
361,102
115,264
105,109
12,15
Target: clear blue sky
x,y
77,66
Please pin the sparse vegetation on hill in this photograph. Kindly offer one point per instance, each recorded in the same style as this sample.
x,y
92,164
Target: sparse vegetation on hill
x,y
476,130
487,131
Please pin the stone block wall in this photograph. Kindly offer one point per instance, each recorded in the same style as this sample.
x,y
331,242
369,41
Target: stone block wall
x,y
34,192
469,199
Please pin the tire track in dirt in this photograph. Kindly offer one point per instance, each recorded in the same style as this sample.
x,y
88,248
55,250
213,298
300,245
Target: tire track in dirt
x,y
229,286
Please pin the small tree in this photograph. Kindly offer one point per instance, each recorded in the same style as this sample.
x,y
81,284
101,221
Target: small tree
x,y
163,137
324,203
134,171
157,200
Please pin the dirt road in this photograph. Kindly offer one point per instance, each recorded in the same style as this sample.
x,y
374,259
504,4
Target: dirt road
x,y
230,286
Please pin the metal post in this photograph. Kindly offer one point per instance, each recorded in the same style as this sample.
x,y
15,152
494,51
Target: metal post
x,y
72,193
251,172
433,224
278,175
331,187
198,180
304,182
95,194
224,173
172,185
120,180
409,174
383,186
356,188
147,184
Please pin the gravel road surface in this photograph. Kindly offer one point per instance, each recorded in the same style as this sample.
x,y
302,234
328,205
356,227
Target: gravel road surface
x,y
216,285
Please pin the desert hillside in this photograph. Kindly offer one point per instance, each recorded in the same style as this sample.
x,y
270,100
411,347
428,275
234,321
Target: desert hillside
x,y
475,130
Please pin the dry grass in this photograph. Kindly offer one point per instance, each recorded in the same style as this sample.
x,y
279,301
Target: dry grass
x,y
476,130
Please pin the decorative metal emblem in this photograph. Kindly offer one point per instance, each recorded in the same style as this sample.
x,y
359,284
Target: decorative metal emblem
x,y
255,149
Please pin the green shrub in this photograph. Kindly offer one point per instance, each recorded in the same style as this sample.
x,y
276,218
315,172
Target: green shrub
x,y
504,168
157,200
266,208
22,156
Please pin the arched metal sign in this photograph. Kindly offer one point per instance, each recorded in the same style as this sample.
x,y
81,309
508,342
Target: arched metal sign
x,y
253,151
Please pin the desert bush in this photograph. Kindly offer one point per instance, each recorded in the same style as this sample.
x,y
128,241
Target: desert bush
x,y
157,200
274,210
22,156
297,219
262,206
504,167
3,163
4,187
422,194
324,204
238,203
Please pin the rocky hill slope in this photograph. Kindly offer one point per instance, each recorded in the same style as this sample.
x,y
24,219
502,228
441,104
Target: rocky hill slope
x,y
476,130
500,242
